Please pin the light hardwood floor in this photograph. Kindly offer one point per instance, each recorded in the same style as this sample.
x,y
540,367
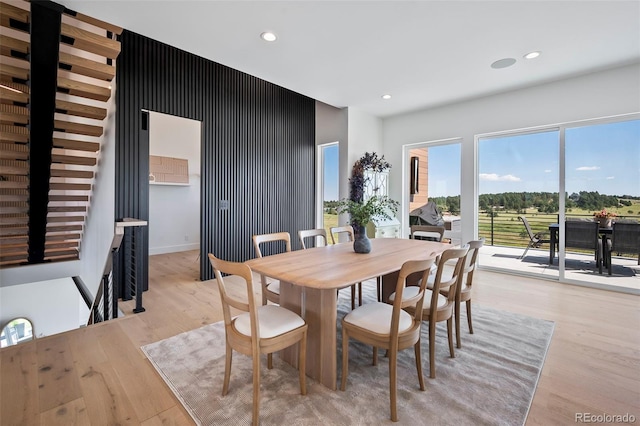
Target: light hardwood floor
x,y
98,375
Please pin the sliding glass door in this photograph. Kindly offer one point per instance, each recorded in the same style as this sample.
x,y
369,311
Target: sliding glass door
x,y
518,200
529,229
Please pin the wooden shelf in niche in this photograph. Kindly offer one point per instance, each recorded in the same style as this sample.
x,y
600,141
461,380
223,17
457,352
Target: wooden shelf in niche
x,y
168,170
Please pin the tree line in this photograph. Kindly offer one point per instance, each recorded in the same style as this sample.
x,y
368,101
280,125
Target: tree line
x,y
544,202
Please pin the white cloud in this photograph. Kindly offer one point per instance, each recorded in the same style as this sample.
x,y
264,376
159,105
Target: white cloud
x,y
610,177
495,178
548,171
588,168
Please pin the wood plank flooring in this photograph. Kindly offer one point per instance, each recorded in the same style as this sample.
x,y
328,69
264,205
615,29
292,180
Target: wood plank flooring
x,y
98,374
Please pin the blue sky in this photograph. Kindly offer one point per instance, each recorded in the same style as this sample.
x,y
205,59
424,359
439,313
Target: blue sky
x,y
603,158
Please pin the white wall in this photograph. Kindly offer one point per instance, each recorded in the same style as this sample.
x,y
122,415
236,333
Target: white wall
x,y
607,93
51,306
174,211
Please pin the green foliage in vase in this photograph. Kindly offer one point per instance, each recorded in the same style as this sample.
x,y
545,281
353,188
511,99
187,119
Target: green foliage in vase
x,y
361,213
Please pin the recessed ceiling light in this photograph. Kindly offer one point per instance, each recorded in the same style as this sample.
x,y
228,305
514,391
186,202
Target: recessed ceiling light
x,y
503,63
386,97
268,36
532,55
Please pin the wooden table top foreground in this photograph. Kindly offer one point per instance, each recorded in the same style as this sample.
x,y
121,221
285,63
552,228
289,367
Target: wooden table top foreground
x,y
337,266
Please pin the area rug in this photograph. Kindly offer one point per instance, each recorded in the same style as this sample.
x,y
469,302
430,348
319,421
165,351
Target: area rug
x,y
491,381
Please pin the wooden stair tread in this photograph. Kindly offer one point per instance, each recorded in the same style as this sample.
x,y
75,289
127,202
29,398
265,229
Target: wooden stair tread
x,y
10,43
9,96
8,184
14,170
13,155
78,174
13,240
80,110
14,210
9,12
64,219
70,159
63,186
13,114
14,231
63,228
13,71
77,128
63,198
76,145
89,41
84,66
62,237
84,90
66,209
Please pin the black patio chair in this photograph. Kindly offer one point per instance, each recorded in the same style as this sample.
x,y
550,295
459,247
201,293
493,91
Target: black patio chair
x,y
535,240
583,234
624,239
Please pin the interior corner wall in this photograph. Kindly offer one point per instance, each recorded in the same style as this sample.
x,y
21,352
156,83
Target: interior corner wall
x,y
596,95
258,146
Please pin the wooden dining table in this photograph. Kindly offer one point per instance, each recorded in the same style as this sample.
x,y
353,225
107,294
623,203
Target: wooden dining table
x,y
309,280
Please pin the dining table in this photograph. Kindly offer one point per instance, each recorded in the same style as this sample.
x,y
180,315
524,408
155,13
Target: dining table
x,y
310,278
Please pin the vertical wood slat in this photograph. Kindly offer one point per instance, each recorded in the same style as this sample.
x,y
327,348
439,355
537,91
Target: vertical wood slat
x,y
257,147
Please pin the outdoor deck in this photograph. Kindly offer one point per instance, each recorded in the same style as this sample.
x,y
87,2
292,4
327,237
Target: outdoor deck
x,y
580,268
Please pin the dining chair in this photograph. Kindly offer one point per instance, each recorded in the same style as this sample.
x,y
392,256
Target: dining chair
x,y
427,232
308,233
348,230
625,238
464,291
270,286
258,329
389,327
438,307
583,233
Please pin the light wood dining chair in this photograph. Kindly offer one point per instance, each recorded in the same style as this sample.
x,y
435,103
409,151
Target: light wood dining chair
x,y
308,233
348,230
465,289
389,327
270,286
258,330
437,307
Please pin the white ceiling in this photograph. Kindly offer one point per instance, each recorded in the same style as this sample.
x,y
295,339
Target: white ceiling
x,y
423,53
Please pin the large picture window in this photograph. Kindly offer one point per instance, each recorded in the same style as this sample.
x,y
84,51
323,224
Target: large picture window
x,y
529,228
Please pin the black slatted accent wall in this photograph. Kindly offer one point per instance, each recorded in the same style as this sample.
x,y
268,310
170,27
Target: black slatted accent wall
x,y
258,146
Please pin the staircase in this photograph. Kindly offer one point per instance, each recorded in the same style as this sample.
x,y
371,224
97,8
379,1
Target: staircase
x,y
52,105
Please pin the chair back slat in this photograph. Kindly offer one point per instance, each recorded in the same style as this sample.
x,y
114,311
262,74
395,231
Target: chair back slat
x,y
347,229
282,237
308,233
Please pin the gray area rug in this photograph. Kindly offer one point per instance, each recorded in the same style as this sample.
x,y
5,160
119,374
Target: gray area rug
x,y
491,380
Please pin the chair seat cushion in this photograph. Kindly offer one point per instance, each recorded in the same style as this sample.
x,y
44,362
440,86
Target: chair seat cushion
x,y
273,321
376,317
412,291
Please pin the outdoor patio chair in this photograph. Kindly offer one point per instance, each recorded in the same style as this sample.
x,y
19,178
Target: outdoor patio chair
x,y
583,234
535,240
624,239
